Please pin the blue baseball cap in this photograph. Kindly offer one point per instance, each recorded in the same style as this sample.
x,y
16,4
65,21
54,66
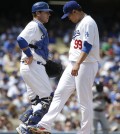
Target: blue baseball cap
x,y
68,7
41,6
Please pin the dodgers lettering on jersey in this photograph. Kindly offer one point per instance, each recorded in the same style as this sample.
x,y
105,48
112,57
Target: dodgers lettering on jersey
x,y
86,30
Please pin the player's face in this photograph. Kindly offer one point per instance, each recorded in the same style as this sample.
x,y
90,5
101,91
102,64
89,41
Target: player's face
x,y
72,16
43,17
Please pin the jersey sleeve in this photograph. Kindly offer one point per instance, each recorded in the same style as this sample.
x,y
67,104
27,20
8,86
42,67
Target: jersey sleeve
x,y
88,33
31,32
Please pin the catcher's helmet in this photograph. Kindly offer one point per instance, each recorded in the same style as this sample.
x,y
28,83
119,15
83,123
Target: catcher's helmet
x,y
40,6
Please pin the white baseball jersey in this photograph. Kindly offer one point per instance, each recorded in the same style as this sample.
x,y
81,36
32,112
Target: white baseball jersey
x,y
86,30
34,75
31,34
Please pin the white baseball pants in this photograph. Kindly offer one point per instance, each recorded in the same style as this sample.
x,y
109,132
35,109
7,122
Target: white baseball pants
x,y
67,84
36,79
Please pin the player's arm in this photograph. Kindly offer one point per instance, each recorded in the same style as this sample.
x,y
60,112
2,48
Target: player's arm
x,y
25,48
84,52
88,38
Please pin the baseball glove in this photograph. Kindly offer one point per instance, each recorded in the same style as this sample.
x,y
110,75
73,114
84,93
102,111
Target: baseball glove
x,y
53,69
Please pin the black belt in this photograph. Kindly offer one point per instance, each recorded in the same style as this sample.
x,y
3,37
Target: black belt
x,y
33,46
98,110
38,62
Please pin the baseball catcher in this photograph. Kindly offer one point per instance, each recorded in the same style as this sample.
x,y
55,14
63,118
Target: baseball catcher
x,y
33,42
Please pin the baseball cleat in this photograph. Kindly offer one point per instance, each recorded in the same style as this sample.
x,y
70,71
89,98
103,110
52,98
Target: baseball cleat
x,y
34,129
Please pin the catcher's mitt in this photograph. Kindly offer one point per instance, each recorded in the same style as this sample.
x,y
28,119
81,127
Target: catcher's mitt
x,y
53,69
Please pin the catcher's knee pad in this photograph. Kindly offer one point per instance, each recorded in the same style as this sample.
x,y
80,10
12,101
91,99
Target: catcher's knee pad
x,y
25,116
35,101
36,117
47,101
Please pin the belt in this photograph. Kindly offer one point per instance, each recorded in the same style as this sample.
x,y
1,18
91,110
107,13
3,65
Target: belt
x,y
38,62
33,46
98,110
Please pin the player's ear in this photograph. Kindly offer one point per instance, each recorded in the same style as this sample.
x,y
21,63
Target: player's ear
x,y
73,11
38,13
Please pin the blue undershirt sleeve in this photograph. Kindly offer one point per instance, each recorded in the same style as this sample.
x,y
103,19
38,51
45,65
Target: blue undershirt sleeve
x,y
23,44
86,47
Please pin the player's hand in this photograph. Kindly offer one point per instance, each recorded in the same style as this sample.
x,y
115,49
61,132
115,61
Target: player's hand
x,y
75,69
28,60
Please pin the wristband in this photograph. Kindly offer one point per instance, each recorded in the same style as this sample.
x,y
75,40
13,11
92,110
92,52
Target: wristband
x,y
28,52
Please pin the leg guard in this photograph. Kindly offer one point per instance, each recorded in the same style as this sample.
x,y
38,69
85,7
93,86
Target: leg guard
x,y
25,116
36,117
